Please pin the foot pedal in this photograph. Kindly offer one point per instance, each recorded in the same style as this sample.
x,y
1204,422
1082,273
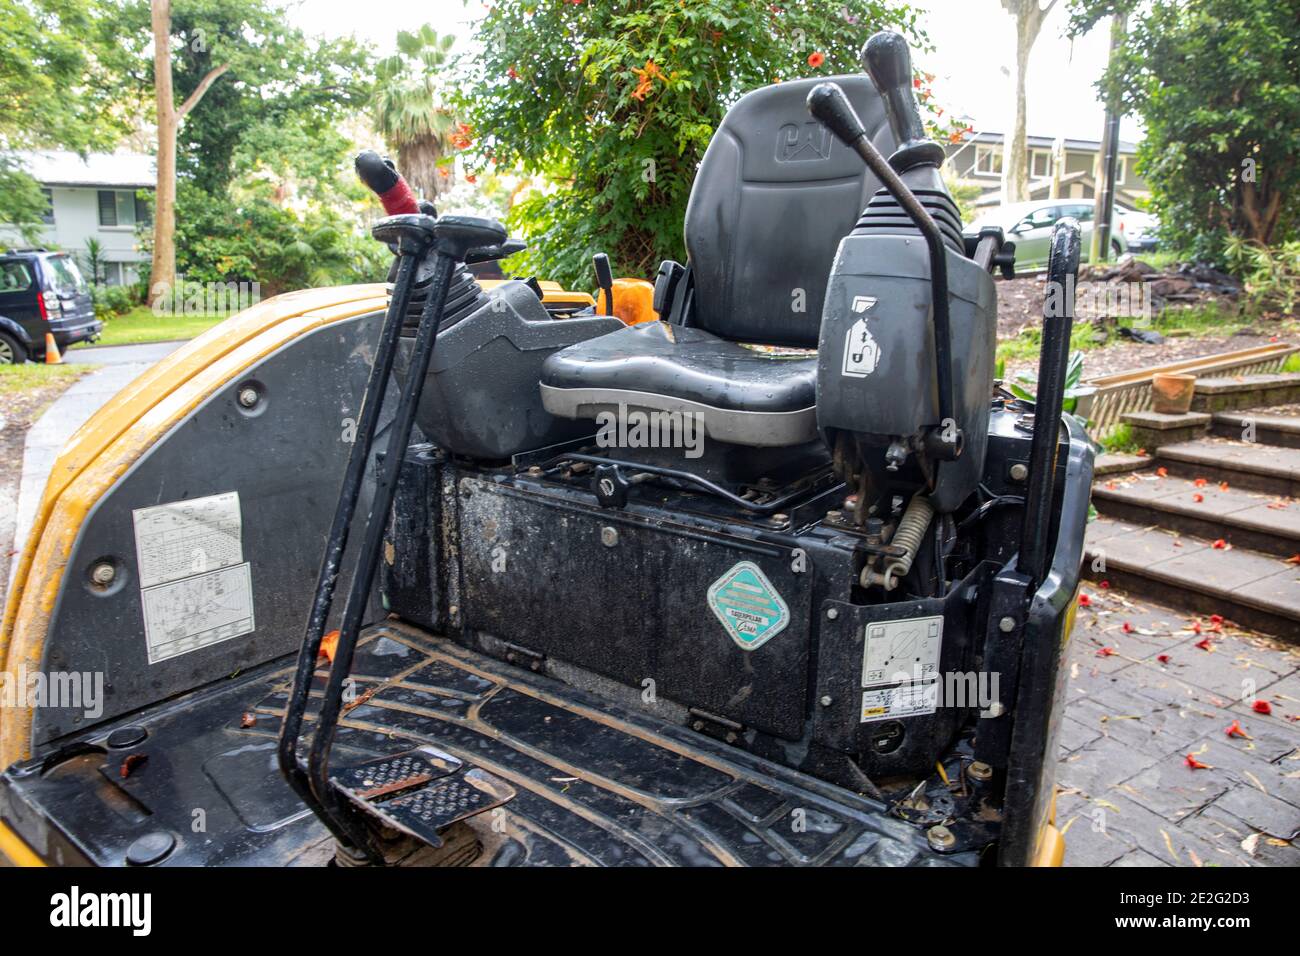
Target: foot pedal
x,y
392,775
421,791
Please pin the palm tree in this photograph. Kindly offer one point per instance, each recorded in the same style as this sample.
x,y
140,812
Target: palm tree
x,y
409,113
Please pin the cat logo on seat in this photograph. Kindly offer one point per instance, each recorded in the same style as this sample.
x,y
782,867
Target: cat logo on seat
x,y
801,143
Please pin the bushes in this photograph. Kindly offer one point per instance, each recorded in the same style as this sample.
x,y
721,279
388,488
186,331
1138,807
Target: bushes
x,y
1271,274
114,300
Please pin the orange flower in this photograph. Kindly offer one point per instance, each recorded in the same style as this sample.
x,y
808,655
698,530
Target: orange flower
x,y
1234,730
646,79
1196,764
816,59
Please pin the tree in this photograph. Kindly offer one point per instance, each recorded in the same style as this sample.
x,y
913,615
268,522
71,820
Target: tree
x,y
410,114
162,274
614,104
59,64
1029,17
1217,85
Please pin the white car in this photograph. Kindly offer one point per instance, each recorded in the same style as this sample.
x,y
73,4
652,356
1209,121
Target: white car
x,y
1029,225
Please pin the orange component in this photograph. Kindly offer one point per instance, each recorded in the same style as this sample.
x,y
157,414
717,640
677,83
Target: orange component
x,y
327,645
633,301
52,356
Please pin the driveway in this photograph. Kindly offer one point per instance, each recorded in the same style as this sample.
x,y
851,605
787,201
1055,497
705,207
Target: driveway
x,y
117,366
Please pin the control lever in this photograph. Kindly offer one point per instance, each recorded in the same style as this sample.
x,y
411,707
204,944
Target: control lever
x,y
387,183
605,279
886,59
828,103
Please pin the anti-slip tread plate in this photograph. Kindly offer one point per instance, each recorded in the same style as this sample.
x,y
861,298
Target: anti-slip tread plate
x,y
592,783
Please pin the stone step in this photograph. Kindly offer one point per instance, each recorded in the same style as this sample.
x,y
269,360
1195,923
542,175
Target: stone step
x,y
1254,590
1246,391
1250,466
1266,429
1245,519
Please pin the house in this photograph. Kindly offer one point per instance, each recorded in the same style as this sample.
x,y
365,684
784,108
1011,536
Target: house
x,y
977,161
95,197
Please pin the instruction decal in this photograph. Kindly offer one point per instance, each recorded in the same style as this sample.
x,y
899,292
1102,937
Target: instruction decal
x,y
900,668
861,351
748,606
195,587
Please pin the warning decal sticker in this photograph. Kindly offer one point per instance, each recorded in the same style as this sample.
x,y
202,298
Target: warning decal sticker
x,y
748,606
195,587
900,668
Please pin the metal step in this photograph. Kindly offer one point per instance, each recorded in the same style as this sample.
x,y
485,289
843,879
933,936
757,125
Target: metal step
x,y
420,792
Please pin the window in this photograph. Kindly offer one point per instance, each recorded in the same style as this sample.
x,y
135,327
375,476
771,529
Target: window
x,y
988,160
1121,171
143,214
15,276
64,274
48,216
1040,164
121,208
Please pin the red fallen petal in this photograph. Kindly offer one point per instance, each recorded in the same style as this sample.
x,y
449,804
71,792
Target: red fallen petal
x,y
1198,498
1234,730
1294,559
1142,452
1219,544
1196,764
1196,627
1162,472
1112,485
1216,618
1104,585
1163,658
1200,482
1128,628
1105,651
248,719
130,763
327,645
1262,707
1223,486
1204,643
1084,600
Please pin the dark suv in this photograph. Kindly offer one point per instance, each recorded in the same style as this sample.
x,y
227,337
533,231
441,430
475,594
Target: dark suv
x,y
42,291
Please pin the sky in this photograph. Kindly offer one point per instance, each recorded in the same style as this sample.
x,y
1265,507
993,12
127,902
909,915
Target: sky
x,y
973,59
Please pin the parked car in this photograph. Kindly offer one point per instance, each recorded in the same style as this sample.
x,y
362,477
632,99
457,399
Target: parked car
x,y
1138,229
1029,225
42,291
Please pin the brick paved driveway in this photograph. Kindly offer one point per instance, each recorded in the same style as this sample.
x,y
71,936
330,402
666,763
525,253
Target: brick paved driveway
x,y
1143,698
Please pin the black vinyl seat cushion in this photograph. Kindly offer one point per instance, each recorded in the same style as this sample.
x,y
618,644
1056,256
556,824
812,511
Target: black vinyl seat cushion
x,y
746,395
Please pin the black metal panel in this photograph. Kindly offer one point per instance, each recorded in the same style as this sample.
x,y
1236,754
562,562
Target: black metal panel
x,y
626,595
910,744
284,457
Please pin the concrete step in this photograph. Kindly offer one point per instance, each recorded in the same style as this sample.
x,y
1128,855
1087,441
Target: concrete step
x,y
1245,519
1266,429
1259,591
1245,391
1249,466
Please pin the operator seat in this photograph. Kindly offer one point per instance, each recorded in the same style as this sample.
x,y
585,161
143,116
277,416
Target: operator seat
x,y
774,195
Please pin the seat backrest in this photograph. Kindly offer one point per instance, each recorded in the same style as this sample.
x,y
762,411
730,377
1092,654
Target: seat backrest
x,y
774,195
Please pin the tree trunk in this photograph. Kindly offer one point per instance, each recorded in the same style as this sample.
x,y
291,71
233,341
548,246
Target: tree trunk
x,y
1015,154
162,276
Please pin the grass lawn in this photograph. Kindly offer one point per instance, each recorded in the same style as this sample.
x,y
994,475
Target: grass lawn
x,y
30,376
141,325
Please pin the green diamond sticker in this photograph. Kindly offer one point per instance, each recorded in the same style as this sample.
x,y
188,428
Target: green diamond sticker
x,y
748,606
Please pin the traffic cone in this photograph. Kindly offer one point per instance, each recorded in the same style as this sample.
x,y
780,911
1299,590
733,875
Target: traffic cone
x,y
52,356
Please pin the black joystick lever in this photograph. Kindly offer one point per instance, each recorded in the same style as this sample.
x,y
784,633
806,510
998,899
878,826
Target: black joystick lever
x,y
886,59
604,279
451,239
828,103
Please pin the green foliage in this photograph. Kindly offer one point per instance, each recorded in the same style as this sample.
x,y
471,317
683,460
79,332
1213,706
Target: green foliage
x,y
58,60
114,300
251,238
1217,85
1271,274
615,102
1074,387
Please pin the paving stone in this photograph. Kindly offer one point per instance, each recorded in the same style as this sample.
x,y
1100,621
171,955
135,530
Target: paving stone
x,y
1223,453
1140,828
1115,462
1139,858
1262,811
1174,790
1278,592
1085,843
1214,571
1147,547
1245,763
1100,765
1075,734
1140,722
1283,697
1227,832
1223,670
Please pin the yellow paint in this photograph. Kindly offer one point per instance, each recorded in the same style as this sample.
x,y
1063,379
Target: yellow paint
x,y
115,438
1051,841
14,851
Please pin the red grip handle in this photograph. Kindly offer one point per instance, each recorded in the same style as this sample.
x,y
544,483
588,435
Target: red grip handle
x,y
386,183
